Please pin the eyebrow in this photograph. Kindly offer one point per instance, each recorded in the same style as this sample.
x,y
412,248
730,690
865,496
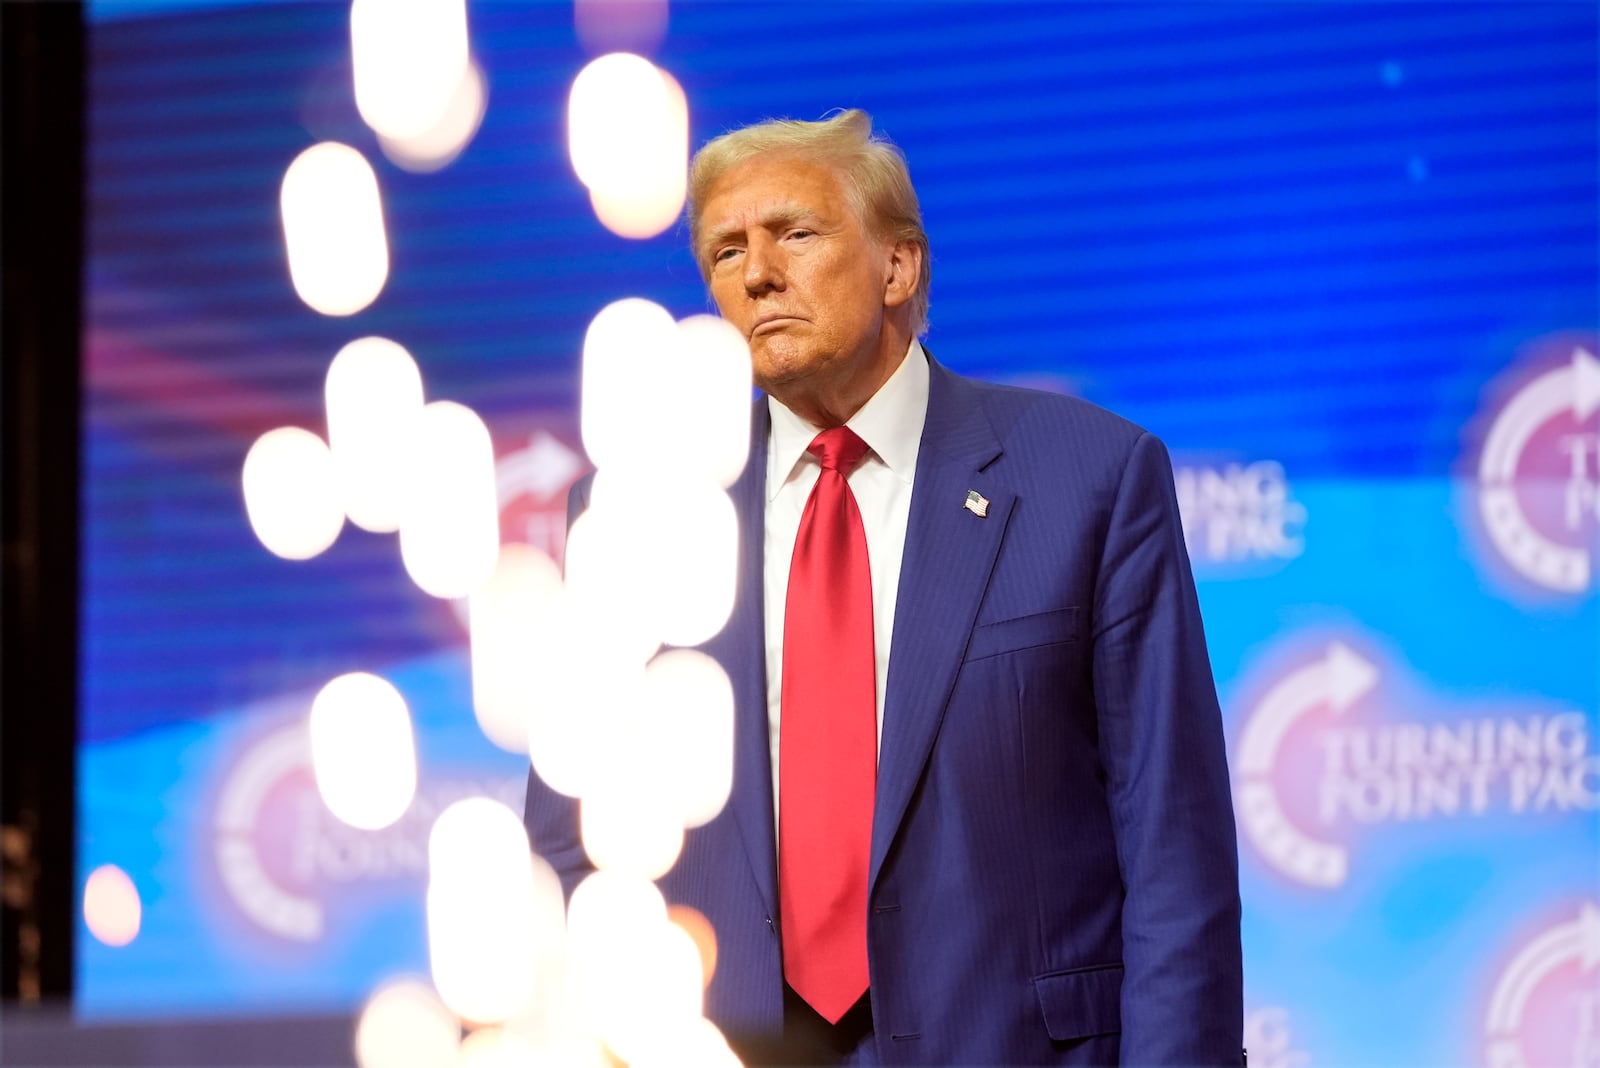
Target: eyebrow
x,y
777,216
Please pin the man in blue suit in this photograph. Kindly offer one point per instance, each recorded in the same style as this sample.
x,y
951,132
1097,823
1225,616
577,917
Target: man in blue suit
x,y
1019,694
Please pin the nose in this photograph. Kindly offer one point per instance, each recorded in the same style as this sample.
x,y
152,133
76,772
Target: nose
x,y
763,266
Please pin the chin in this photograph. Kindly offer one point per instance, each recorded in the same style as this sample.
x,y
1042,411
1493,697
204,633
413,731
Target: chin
x,y
770,369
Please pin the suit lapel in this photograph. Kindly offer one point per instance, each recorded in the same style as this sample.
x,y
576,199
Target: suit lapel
x,y
949,556
741,648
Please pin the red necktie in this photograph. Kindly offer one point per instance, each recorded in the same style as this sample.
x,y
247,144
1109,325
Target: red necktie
x,y
828,740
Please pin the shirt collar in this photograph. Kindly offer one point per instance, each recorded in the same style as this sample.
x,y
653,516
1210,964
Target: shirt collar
x,y
890,423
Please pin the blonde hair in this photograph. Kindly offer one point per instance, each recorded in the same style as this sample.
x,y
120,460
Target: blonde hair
x,y
877,180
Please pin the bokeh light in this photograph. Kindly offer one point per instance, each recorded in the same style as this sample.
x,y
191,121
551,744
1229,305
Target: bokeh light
x,y
626,367
588,688
291,493
407,58
710,379
662,548
450,528
697,561
689,719
695,1043
628,136
610,920
405,1025
625,825
699,929
658,997
638,213
111,906
439,145
515,613
374,396
610,562
333,229
363,751
497,1047
494,912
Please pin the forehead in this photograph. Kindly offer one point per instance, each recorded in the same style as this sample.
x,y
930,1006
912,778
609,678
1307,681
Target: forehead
x,y
774,187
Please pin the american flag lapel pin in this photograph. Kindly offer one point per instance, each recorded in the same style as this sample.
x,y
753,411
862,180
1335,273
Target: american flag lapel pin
x,y
976,503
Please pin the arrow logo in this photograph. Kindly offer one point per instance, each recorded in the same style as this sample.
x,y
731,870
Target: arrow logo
x,y
1575,941
543,468
1336,682
1574,388
258,895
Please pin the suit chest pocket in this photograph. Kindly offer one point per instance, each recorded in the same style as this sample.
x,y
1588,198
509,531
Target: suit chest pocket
x,y
1057,627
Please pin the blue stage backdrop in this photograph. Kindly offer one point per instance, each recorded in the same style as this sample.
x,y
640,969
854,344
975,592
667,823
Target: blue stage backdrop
x,y
1341,257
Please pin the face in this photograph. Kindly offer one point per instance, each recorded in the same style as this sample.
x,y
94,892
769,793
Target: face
x,y
795,270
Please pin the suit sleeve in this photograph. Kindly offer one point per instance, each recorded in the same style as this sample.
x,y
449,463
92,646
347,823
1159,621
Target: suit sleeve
x,y
1167,780
551,817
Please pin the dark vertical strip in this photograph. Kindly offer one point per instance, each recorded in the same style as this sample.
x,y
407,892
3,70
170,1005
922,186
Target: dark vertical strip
x,y
41,230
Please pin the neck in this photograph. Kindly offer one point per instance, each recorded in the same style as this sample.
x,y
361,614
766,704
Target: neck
x,y
826,405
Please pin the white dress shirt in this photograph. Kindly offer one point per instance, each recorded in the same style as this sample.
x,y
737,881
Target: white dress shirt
x,y
891,425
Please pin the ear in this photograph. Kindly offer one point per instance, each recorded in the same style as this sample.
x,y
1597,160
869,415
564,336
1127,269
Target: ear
x,y
902,271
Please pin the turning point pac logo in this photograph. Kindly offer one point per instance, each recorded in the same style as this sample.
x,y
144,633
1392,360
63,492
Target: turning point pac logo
x,y
1333,683
1545,1008
1538,475
1332,749
286,862
531,482
1236,515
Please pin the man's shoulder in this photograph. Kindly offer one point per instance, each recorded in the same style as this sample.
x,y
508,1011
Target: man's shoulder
x,y
1025,411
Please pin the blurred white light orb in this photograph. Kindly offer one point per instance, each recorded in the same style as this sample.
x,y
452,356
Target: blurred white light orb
x,y
689,717
333,229
697,557
111,906
609,912
658,395
363,751
515,614
374,396
611,916
476,836
439,145
497,1047
628,827
626,363
695,1043
450,526
609,562
408,58
291,493
710,389
661,549
405,1025
658,998
494,912
620,25
628,137
571,1050
590,686
638,214
704,936
630,819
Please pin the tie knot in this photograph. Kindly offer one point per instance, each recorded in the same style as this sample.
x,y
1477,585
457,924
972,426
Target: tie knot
x,y
839,449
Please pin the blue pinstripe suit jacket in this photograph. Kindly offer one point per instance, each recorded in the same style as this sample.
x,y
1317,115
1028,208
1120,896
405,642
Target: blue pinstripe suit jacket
x,y
1054,877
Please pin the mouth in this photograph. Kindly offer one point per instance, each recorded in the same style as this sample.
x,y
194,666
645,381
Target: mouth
x,y
773,322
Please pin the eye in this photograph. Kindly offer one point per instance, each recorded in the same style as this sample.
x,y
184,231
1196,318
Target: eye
x,y
801,232
724,254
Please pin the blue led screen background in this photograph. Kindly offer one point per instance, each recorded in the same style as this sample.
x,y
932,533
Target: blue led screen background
x,y
1342,258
